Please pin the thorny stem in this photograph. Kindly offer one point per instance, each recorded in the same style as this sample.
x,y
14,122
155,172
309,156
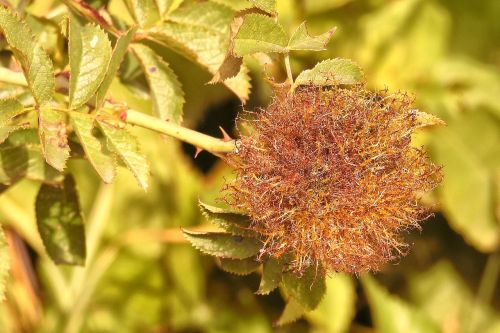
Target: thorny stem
x,y
200,140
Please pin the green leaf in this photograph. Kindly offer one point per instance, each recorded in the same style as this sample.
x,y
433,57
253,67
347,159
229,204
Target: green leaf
x,y
293,311
301,40
308,289
125,145
271,276
114,64
331,72
60,222
36,64
89,56
259,33
469,150
239,266
223,245
4,263
200,32
6,130
268,6
144,12
338,307
391,315
21,156
101,161
53,137
9,108
230,221
166,91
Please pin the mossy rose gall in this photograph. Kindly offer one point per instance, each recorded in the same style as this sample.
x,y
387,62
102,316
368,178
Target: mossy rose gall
x,y
330,179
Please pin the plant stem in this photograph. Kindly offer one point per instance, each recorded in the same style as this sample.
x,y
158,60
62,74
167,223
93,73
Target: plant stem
x,y
200,140
288,68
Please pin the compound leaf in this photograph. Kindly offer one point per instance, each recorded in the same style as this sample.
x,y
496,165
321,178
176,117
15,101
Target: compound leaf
x,y
331,72
223,245
239,266
144,12
36,64
259,33
89,56
271,276
53,137
102,162
125,145
9,108
301,40
230,221
60,222
293,311
166,91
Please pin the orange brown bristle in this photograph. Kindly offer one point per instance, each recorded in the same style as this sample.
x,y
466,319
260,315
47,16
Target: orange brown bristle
x,y
330,179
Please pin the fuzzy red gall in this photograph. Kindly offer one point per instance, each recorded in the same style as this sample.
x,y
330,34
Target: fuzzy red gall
x,y
330,178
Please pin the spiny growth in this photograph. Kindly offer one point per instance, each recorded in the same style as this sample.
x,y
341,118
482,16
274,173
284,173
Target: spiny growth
x,y
330,179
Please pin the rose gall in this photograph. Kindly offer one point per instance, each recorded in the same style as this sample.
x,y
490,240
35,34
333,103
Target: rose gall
x,y
330,179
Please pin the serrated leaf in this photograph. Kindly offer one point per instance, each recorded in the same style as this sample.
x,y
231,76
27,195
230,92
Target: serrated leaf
x,y
125,145
301,40
21,156
114,64
230,221
89,56
307,289
9,108
102,163
4,263
271,276
293,311
259,33
167,6
60,222
223,245
391,315
425,119
268,6
239,266
36,64
200,32
6,130
144,12
331,72
166,90
53,137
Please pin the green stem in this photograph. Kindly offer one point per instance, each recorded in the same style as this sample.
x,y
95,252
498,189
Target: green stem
x,y
288,68
200,140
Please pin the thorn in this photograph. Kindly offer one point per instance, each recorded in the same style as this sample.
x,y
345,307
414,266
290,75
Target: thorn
x,y
226,136
198,151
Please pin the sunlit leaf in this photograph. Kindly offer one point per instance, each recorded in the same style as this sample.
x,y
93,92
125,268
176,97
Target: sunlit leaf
x,y
125,145
268,6
301,40
338,307
100,160
166,91
144,12
89,56
114,64
271,276
4,263
392,315
230,221
60,222
307,289
9,108
53,137
239,266
331,72
259,33
223,245
36,64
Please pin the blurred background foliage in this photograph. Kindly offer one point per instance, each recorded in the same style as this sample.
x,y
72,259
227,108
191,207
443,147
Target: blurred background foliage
x,y
141,275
